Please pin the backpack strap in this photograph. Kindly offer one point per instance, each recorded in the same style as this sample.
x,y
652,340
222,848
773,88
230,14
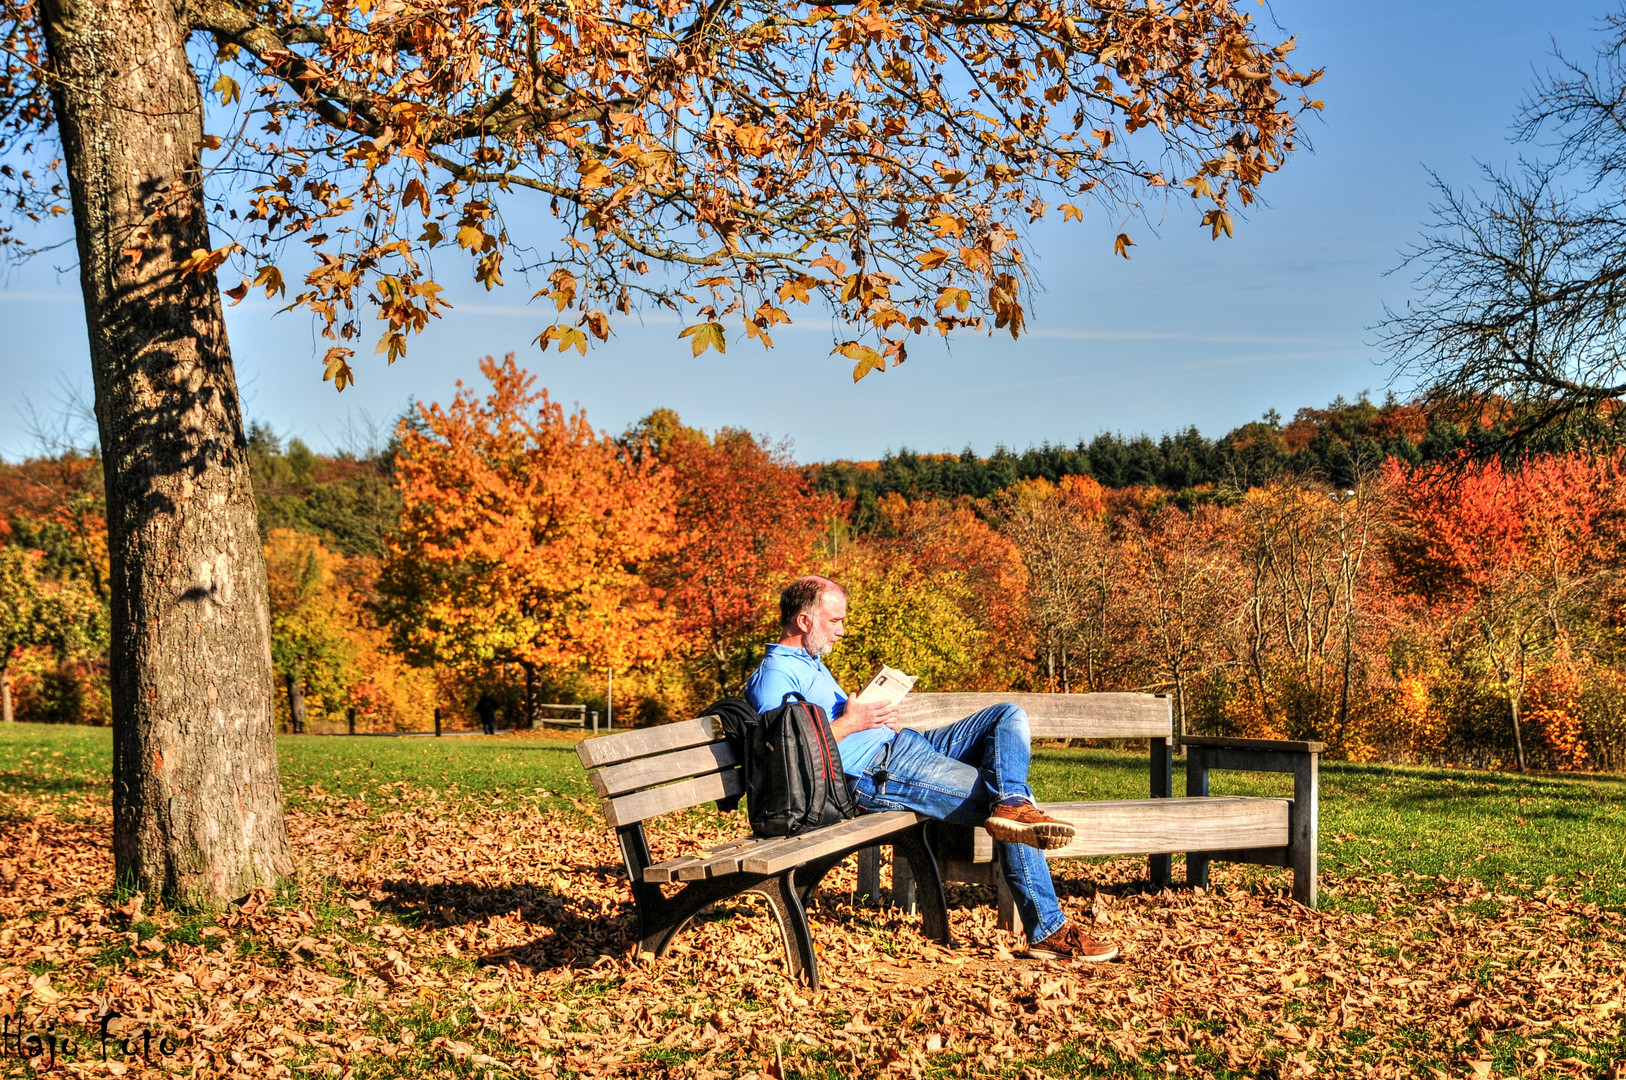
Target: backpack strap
x,y
735,714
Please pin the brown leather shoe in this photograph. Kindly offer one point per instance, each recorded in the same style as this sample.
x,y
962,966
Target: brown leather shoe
x,y
1071,943
1024,823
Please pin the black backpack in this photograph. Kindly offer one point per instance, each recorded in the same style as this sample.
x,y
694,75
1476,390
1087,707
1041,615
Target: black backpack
x,y
791,766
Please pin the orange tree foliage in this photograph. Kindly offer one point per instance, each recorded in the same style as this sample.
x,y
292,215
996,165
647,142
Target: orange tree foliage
x,y
1305,580
57,504
948,540
525,536
308,645
746,523
898,614
53,587
732,160
327,646
1059,532
1509,556
1178,575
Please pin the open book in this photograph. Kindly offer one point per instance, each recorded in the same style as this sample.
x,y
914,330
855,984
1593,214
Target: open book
x,y
888,687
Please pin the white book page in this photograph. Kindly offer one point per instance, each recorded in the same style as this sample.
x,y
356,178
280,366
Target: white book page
x,y
888,687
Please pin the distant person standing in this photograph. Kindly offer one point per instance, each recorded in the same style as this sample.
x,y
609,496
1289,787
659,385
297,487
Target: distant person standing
x,y
487,708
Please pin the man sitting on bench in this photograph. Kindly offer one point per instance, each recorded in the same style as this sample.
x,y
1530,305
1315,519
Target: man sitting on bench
x,y
973,772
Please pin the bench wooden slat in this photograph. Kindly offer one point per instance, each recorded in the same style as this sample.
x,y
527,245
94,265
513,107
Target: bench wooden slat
x,y
649,771
719,861
683,867
1175,815
731,858
1288,746
661,873
642,742
652,802
1052,716
827,841
1160,826
720,864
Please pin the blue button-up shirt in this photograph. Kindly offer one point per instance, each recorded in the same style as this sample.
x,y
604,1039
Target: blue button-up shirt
x,y
788,668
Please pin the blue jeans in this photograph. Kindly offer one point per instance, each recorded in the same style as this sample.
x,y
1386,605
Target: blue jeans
x,y
957,774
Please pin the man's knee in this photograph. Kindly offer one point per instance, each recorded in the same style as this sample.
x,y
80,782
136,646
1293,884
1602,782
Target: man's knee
x,y
1014,718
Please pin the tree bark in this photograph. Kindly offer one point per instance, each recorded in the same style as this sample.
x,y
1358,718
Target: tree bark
x,y
1518,735
197,801
5,694
1180,704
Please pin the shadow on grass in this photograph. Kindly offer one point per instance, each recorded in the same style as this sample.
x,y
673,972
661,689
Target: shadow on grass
x,y
28,783
1568,797
1554,781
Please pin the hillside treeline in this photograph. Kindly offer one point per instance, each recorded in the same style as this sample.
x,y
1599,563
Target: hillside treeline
x,y
1348,576
1335,446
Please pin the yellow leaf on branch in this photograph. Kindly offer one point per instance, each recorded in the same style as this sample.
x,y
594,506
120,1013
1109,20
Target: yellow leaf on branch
x,y
705,335
271,278
868,359
336,368
393,344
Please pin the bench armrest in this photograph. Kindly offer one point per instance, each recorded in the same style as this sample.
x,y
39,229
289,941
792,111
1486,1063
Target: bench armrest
x,y
1205,754
1278,746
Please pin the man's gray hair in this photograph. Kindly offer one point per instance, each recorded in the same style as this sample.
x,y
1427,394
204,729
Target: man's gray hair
x,y
804,594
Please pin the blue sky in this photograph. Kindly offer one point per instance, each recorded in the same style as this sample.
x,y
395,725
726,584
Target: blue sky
x,y
1190,331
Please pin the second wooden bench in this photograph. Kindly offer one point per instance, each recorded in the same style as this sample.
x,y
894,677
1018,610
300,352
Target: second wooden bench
x,y
1207,829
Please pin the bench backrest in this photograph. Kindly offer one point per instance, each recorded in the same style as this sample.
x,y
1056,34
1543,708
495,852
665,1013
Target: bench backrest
x,y
651,771
1053,716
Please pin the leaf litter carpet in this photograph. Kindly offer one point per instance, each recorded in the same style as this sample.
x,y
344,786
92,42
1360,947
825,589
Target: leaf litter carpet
x,y
431,936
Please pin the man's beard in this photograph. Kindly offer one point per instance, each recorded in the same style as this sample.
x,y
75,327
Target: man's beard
x,y
820,646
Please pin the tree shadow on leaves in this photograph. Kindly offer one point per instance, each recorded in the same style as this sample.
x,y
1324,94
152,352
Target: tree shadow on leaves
x,y
575,933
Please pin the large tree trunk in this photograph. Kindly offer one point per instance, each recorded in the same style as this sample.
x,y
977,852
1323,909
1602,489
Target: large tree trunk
x,y
5,693
197,802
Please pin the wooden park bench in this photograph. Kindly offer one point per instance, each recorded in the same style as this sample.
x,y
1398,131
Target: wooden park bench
x,y
644,773
1269,831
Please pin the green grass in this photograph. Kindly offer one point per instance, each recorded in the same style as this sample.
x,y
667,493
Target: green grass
x,y
1374,818
525,768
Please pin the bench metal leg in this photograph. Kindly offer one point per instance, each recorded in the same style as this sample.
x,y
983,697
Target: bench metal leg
x,y
1303,825
808,876
788,893
659,923
654,931
785,899
928,882
660,917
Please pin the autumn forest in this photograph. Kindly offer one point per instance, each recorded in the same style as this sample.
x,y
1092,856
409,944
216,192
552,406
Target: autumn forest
x,y
1357,575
